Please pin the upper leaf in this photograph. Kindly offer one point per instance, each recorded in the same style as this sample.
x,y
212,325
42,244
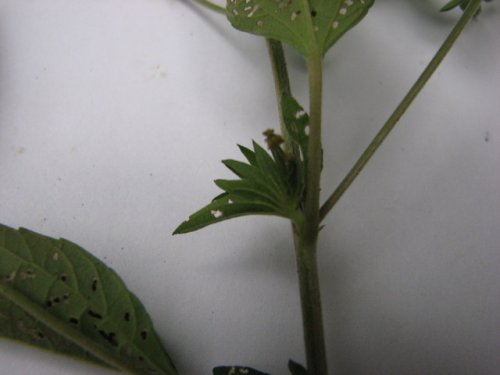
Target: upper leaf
x,y
306,25
56,295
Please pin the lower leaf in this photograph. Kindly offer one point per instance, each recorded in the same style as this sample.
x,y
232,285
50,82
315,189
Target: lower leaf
x,y
57,296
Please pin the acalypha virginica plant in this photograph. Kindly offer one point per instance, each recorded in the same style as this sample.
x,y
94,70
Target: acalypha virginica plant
x,y
57,296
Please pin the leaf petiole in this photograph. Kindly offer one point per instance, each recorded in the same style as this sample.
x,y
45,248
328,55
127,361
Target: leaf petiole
x,y
469,12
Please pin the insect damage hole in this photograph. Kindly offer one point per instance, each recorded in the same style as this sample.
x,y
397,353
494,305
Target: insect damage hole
x,y
217,213
94,285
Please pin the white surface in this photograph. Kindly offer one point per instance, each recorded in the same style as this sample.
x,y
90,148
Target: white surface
x,y
114,115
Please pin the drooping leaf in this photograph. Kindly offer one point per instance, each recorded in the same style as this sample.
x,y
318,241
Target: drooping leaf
x,y
453,4
304,24
236,370
296,368
57,296
267,185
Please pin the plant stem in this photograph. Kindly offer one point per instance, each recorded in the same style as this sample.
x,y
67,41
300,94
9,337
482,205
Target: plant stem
x,y
212,6
469,12
310,298
306,232
281,80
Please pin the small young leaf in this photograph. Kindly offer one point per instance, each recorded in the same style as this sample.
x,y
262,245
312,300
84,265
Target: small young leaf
x,y
236,370
305,25
57,296
267,186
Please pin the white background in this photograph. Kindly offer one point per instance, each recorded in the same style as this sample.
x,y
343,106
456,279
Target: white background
x,y
114,115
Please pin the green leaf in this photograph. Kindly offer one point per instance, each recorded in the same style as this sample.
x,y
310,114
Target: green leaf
x,y
268,185
236,370
453,4
57,296
306,25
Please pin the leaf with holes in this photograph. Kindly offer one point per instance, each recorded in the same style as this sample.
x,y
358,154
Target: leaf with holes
x,y
306,25
57,296
236,370
269,184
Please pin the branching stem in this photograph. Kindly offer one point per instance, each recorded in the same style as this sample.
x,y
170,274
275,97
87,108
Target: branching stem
x,y
469,12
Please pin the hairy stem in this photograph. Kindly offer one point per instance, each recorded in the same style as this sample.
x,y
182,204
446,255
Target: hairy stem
x,y
469,12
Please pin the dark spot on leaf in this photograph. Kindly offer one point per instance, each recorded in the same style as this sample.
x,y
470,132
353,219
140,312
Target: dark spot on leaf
x,y
73,321
127,317
65,297
313,13
56,300
63,277
109,337
144,334
48,303
95,315
94,285
40,335
140,358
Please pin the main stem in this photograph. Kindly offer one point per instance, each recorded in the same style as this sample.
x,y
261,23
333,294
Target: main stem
x,y
306,232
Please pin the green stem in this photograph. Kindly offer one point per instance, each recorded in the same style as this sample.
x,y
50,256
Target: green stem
x,y
310,298
212,6
281,80
469,12
306,232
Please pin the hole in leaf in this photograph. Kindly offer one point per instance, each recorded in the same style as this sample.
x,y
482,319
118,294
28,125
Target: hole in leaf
x,y
144,334
95,315
313,13
94,285
109,337
74,321
63,277
126,317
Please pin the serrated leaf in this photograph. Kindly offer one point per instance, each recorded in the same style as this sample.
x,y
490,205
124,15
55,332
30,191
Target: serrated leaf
x,y
305,25
267,186
57,296
236,370
230,206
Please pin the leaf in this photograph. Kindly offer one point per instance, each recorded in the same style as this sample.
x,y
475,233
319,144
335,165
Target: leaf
x,y
453,4
296,368
268,185
57,296
305,25
236,370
